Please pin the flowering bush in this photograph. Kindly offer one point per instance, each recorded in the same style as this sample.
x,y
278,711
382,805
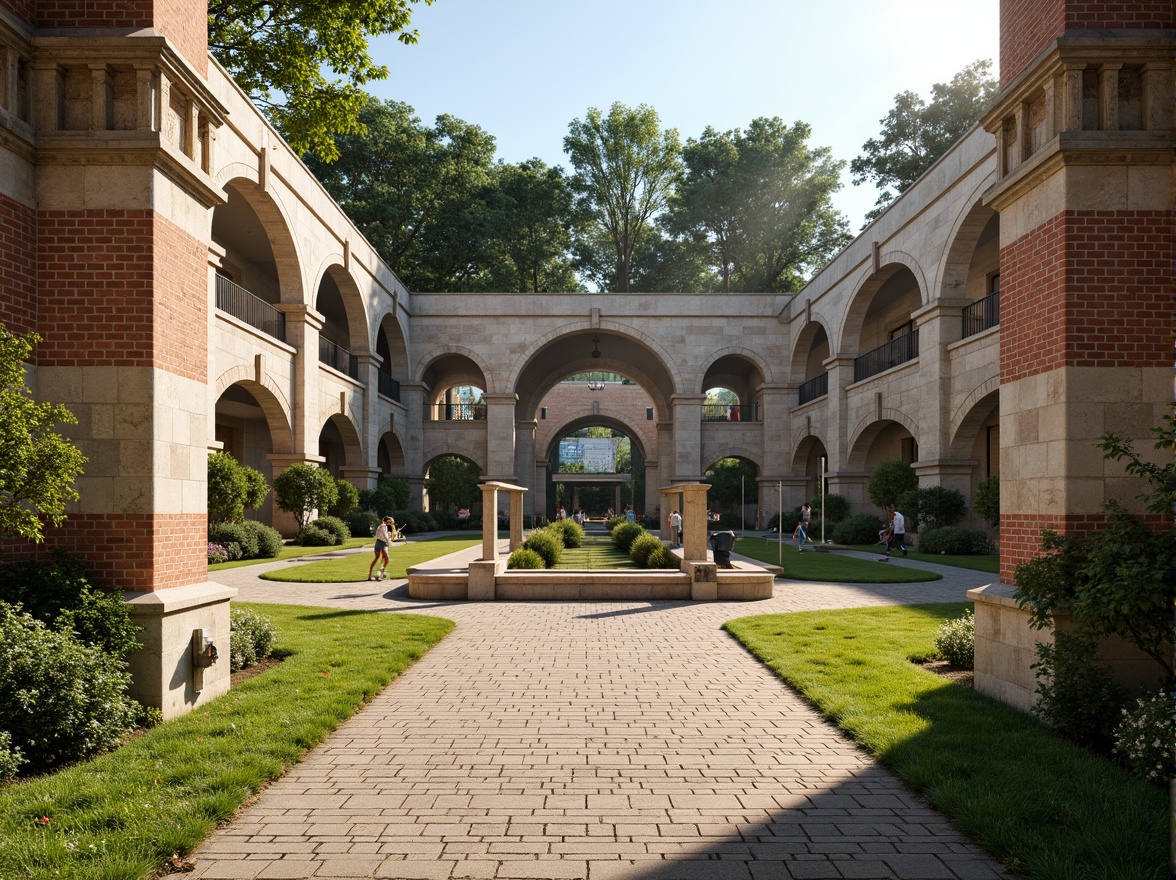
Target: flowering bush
x,y
252,638
1145,736
217,553
10,758
956,641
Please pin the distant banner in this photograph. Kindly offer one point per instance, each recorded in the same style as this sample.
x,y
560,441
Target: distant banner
x,y
599,456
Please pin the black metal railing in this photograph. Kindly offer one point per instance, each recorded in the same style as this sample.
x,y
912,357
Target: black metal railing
x,y
455,412
254,311
814,388
721,412
981,315
897,351
338,358
389,387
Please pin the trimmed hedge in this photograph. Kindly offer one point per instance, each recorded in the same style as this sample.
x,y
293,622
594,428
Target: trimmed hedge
x,y
337,528
570,531
662,557
642,548
362,523
313,536
625,534
235,533
525,558
860,529
547,544
269,541
953,542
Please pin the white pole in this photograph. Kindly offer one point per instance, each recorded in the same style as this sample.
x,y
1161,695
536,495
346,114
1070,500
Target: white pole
x,y
742,503
780,523
822,499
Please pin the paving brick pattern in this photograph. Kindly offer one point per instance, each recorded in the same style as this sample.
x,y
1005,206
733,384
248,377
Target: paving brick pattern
x,y
608,741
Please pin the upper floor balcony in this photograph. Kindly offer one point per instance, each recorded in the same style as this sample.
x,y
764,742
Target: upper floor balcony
x,y
338,358
814,389
388,387
981,315
455,412
897,351
721,412
254,311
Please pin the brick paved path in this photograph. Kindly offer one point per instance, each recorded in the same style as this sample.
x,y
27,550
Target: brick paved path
x,y
590,740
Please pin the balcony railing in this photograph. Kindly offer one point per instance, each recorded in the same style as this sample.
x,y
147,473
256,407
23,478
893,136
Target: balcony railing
x,y
720,412
455,412
814,388
389,387
981,315
897,351
256,312
338,358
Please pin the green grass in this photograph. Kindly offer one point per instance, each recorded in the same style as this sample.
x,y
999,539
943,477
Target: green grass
x,y
1047,809
123,814
830,567
990,563
354,567
598,552
292,551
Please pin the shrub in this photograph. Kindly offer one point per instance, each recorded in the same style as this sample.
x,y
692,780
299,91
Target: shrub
x,y
1075,694
233,549
525,558
303,488
889,482
956,641
662,557
954,542
642,547
836,507
613,521
334,525
862,528
571,532
236,533
444,519
414,521
940,507
60,700
625,534
391,493
217,553
1145,736
347,500
547,544
233,488
986,502
11,758
252,638
269,540
61,596
362,523
313,536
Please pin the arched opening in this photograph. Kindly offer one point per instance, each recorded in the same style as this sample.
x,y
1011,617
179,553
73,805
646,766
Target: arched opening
x,y
880,328
734,491
344,331
595,465
243,428
883,440
451,483
806,462
977,439
393,353
455,386
339,445
390,456
808,363
731,385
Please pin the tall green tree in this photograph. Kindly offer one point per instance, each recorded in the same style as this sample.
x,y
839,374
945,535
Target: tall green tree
x,y
625,170
233,488
452,480
281,53
417,192
759,202
303,488
38,465
916,133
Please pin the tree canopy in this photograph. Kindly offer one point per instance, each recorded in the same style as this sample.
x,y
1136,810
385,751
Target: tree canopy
x,y
304,488
452,480
280,52
38,466
625,170
916,133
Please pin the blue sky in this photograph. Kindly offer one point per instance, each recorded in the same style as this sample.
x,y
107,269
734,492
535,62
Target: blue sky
x,y
523,69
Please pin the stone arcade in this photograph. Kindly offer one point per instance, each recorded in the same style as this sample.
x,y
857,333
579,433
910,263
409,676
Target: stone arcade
x,y
197,289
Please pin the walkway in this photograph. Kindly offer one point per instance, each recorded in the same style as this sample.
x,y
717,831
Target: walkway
x,y
590,740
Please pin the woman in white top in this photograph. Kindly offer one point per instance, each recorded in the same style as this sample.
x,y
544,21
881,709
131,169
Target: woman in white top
x,y
384,532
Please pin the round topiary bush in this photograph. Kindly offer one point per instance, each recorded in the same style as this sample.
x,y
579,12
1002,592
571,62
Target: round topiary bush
x,y
525,558
570,531
547,544
269,540
236,533
956,641
61,700
836,508
625,534
337,528
362,523
313,536
954,542
613,521
642,547
860,529
662,557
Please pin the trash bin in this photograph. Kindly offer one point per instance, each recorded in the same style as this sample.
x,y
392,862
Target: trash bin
x,y
721,544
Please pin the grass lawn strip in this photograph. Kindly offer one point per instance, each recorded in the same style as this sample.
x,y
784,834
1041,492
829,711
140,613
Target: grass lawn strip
x,y
597,552
830,567
354,567
125,813
1044,807
292,551
989,563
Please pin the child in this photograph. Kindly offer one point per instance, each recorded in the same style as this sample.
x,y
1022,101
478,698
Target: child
x,y
385,532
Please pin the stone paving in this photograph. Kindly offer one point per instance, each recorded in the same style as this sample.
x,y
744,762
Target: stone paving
x,y
600,740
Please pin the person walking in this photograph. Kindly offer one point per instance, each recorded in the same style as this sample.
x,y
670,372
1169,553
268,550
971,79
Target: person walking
x,y
676,528
385,532
806,517
800,533
898,531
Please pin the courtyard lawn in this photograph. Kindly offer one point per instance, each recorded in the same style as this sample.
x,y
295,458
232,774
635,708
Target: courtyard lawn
x,y
1045,808
354,566
124,814
292,551
597,552
989,563
829,567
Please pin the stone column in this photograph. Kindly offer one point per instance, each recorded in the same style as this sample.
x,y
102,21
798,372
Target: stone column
x,y
651,501
938,324
695,560
525,452
840,371
500,436
667,501
687,451
302,331
776,402
369,366
413,396
539,495
516,519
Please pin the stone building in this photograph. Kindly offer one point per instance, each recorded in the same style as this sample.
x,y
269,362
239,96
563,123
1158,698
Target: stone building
x,y
197,289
